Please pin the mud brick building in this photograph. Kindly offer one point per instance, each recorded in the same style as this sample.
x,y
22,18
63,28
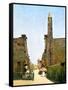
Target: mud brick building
x,y
54,51
20,54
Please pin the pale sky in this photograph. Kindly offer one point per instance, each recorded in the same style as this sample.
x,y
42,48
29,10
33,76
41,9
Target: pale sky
x,y
32,21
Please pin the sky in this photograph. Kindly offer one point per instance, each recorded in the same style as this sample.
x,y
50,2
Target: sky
x,y
33,21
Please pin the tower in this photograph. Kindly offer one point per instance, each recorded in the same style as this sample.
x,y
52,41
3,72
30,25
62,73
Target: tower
x,y
47,56
49,42
50,36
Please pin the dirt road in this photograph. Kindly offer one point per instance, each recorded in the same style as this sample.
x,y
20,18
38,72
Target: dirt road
x,y
37,80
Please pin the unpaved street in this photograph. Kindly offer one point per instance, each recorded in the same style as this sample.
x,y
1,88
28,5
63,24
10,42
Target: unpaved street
x,y
37,80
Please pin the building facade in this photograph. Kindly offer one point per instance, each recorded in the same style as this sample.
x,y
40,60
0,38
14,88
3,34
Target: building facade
x,y
20,54
54,50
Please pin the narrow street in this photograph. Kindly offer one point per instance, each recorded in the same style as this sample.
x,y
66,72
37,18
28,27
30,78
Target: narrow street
x,y
37,80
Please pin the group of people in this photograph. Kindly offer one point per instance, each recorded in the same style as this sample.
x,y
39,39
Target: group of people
x,y
42,69
28,74
26,69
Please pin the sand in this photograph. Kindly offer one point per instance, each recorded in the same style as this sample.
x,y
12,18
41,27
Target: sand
x,y
38,79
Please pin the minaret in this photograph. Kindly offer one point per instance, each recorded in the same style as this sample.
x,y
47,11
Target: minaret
x,y
47,56
49,41
50,26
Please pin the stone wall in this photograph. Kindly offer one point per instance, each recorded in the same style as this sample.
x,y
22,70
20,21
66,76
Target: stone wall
x,y
20,54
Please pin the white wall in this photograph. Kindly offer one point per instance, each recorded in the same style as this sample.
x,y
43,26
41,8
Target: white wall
x,y
4,45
